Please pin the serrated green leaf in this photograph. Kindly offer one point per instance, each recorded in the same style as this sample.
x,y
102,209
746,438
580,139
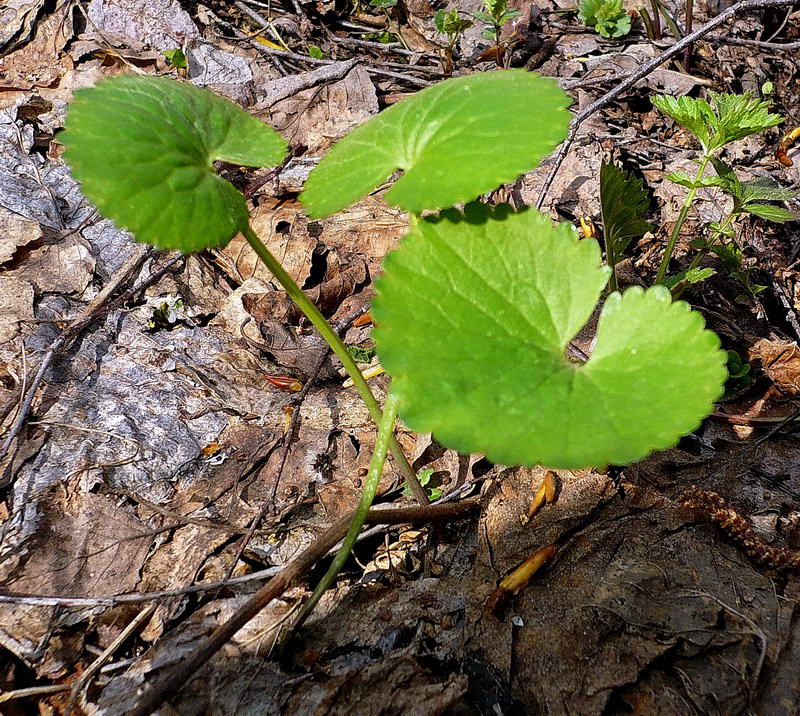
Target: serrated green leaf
x,y
733,117
473,315
771,213
726,178
624,202
683,179
142,149
453,141
765,189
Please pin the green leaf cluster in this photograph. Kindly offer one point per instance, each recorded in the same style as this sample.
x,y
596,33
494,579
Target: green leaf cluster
x,y
495,14
607,17
729,117
477,307
749,197
450,23
165,190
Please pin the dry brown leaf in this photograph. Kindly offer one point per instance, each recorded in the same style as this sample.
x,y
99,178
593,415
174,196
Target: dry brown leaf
x,y
15,231
780,361
161,24
40,62
16,304
65,266
317,117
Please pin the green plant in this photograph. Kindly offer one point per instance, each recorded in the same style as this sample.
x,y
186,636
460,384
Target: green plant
x,y
176,58
476,307
739,376
452,25
607,17
424,477
623,203
166,192
495,15
727,118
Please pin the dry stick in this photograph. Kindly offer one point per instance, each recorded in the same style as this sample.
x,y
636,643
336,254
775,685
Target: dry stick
x,y
174,678
296,402
87,675
688,21
377,516
94,309
741,7
777,46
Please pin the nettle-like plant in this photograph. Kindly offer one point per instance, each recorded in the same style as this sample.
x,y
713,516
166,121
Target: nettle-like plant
x,y
729,117
477,306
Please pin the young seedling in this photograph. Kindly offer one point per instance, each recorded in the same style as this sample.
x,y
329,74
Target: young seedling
x,y
495,15
607,17
728,118
452,25
476,307
166,191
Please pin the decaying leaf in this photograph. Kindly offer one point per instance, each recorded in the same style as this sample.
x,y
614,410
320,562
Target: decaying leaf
x,y
780,361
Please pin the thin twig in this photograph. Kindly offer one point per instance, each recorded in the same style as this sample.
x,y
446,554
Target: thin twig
x,y
777,46
742,6
33,691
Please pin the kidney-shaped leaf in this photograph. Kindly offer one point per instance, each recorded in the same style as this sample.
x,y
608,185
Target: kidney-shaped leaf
x,y
453,141
142,149
474,313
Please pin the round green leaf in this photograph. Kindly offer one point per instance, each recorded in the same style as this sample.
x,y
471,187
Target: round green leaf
x,y
142,149
453,141
474,313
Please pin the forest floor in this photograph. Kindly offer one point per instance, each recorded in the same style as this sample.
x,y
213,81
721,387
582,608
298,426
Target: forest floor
x,y
155,440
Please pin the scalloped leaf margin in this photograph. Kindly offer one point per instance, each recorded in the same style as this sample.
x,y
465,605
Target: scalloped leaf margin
x,y
453,141
473,315
142,149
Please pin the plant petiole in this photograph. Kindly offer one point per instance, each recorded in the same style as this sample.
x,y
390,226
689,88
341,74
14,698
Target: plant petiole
x,y
385,436
330,336
676,230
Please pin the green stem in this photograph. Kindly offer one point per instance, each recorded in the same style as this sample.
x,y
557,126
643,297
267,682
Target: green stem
x,y
338,347
676,230
713,240
385,432
611,260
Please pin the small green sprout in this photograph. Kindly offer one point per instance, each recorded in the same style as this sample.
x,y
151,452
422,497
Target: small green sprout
x,y
495,15
176,58
607,17
623,201
424,477
740,377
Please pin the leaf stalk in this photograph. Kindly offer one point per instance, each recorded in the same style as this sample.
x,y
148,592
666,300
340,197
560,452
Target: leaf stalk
x,y
312,313
385,436
684,213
